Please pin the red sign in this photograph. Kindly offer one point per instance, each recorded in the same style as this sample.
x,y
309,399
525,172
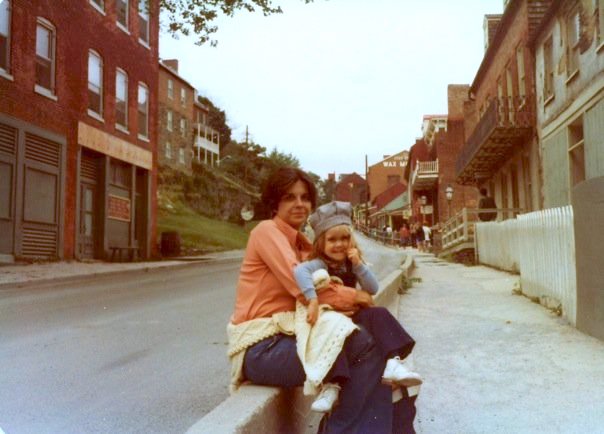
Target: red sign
x,y
119,208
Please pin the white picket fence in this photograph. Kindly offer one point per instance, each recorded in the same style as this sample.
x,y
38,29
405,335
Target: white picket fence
x,y
541,247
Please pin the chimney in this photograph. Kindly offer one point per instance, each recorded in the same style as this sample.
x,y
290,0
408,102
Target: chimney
x,y
491,22
171,63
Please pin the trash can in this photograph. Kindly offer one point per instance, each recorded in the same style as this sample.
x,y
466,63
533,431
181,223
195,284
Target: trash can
x,y
170,244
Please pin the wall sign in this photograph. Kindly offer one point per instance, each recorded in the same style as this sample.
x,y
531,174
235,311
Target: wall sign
x,y
118,208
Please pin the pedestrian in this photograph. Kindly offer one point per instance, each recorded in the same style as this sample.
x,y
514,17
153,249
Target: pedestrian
x,y
419,236
404,235
487,202
336,253
427,236
389,234
261,344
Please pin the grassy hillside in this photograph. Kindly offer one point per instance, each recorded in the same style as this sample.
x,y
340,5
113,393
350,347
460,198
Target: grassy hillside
x,y
198,233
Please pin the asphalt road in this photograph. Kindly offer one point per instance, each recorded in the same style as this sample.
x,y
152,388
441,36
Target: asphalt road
x,y
133,353
137,353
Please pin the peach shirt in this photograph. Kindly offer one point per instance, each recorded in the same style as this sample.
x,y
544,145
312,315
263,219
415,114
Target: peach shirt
x,y
266,280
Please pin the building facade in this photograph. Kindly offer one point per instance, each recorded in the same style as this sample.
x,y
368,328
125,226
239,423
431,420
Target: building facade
x,y
176,100
569,51
77,127
351,188
501,149
386,173
206,145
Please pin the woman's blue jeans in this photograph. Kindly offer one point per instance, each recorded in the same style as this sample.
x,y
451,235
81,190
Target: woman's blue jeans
x,y
364,405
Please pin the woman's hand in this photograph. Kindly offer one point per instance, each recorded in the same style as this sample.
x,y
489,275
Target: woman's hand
x,y
363,298
353,256
312,313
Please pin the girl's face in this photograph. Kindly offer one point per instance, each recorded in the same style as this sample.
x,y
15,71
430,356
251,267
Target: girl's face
x,y
295,205
337,243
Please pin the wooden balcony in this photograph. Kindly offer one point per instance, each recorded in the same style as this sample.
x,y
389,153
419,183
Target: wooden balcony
x,y
425,175
506,124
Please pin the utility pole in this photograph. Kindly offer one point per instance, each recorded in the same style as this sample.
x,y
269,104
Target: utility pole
x,y
366,196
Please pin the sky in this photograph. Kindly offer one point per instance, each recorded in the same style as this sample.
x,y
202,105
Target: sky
x,y
333,81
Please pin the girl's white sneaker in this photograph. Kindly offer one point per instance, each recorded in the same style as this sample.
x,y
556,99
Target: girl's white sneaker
x,y
397,373
326,398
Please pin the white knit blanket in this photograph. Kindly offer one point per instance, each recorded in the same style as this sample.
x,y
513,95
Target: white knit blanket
x,y
318,346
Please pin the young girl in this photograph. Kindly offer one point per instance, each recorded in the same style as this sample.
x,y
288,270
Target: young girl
x,y
335,250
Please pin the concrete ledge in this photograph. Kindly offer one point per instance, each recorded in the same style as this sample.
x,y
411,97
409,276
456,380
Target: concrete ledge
x,y
262,409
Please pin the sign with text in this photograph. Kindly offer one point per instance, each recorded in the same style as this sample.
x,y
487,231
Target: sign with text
x,y
118,208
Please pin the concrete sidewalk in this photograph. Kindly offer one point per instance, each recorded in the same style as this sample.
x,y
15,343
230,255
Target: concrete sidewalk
x,y
494,362
21,275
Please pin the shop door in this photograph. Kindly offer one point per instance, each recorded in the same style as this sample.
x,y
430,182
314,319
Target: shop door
x,y
8,150
87,220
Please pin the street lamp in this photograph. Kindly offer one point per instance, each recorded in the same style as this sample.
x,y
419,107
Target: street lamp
x,y
449,196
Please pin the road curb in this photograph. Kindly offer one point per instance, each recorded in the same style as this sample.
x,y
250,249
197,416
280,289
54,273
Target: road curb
x,y
254,409
54,281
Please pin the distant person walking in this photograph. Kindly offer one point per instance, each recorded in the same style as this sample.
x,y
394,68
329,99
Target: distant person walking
x,y
427,236
404,235
486,202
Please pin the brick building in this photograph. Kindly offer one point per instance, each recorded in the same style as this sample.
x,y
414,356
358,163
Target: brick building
x,y
77,127
386,173
206,144
502,148
351,188
176,101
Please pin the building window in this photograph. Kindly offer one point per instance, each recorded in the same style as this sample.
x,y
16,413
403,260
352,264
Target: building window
x,y
548,69
181,155
521,74
95,83
183,96
143,111
169,120
170,89
143,21
5,35
573,33
122,13
183,127
576,152
121,98
168,150
98,4
45,55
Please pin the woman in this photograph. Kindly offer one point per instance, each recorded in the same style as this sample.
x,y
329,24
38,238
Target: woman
x,y
262,347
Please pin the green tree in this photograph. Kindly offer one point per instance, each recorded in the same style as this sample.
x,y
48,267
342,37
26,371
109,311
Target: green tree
x,y
280,159
197,16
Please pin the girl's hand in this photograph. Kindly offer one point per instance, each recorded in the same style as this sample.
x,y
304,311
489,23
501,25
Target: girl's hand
x,y
353,256
363,298
312,313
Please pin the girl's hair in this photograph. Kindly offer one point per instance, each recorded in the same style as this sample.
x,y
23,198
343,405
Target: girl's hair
x,y
280,181
318,245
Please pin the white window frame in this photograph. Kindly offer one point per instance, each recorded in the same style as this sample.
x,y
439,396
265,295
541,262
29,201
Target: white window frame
x,y
183,96
549,90
168,151
143,18
5,71
521,72
181,156
120,72
170,89
49,92
99,5
142,87
573,30
600,33
169,120
121,25
183,127
576,147
92,112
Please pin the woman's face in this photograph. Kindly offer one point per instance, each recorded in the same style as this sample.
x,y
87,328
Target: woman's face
x,y
295,205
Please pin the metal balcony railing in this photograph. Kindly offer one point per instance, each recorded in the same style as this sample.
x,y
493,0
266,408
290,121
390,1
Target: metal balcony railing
x,y
505,121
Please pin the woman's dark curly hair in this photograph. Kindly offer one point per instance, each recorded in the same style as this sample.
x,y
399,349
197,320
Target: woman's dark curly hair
x,y
280,181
